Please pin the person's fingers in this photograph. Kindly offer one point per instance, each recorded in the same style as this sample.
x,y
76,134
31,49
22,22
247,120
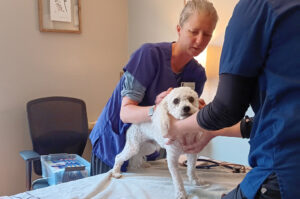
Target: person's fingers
x,y
170,141
169,136
188,147
201,103
181,140
191,152
159,99
201,106
191,149
197,145
165,93
162,95
194,150
169,90
190,138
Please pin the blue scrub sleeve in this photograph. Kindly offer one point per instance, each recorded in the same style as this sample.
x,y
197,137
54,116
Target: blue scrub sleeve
x,y
132,88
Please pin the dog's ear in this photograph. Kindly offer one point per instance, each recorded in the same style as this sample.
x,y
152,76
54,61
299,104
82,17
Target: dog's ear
x,y
164,118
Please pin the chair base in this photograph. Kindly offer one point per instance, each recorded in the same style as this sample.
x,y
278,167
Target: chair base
x,y
40,183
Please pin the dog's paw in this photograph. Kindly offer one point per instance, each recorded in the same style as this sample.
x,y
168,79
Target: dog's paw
x,y
198,182
146,165
116,175
181,195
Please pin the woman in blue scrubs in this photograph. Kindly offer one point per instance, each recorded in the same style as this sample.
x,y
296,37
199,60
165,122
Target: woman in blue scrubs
x,y
260,66
152,69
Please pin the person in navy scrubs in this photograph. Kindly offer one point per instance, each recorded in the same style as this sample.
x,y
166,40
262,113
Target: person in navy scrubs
x,y
259,66
152,69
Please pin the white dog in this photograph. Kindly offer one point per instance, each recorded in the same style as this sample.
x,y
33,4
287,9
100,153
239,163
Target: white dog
x,y
180,103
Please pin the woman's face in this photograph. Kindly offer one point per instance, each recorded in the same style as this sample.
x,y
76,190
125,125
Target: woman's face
x,y
196,33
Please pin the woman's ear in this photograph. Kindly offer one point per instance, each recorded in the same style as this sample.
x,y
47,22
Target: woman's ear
x,y
178,28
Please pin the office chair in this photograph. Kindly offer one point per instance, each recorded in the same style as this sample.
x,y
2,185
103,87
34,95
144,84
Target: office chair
x,y
56,125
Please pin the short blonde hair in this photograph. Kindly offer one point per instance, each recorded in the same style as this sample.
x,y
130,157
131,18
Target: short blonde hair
x,y
199,6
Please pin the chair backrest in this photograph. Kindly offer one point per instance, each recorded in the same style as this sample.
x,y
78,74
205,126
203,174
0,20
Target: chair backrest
x,y
57,125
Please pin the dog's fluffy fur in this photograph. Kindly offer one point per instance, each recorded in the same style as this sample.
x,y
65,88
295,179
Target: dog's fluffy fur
x,y
180,103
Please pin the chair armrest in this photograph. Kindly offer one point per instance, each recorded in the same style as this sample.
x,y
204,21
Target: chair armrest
x,y
29,155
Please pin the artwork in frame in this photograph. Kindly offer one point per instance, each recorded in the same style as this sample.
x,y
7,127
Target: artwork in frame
x,y
60,16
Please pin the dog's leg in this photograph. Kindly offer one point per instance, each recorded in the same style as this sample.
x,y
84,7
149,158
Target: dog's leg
x,y
140,160
129,150
191,169
172,158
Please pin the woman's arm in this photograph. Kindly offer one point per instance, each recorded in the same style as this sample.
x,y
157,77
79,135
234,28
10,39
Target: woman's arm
x,y
198,138
203,138
132,113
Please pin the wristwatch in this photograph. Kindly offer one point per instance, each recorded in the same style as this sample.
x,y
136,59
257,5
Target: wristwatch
x,y
151,110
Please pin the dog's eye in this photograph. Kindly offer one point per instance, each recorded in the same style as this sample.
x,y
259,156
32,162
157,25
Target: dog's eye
x,y
176,101
191,99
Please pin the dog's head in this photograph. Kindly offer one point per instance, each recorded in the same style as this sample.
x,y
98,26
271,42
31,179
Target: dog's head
x,y
181,102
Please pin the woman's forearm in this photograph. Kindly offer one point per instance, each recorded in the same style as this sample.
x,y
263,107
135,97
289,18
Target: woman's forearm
x,y
134,114
233,131
190,124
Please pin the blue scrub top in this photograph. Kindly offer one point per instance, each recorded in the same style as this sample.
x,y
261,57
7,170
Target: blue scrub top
x,y
263,40
151,66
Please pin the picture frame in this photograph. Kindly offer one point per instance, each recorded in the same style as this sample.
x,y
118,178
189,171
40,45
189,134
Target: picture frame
x,y
62,16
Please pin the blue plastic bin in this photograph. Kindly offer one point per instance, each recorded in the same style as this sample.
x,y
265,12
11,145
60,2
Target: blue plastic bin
x,y
59,168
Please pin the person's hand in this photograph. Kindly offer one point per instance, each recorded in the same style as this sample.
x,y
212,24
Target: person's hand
x,y
174,132
196,142
201,103
162,95
191,142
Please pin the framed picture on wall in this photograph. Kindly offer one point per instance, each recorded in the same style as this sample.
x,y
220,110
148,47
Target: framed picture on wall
x,y
60,16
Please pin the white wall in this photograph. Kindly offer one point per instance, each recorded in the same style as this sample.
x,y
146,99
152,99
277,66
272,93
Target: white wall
x,y
224,9
152,21
35,64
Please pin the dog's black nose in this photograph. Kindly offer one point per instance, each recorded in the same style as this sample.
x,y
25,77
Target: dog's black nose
x,y
186,109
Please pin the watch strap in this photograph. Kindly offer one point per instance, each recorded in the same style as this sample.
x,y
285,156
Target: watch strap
x,y
151,110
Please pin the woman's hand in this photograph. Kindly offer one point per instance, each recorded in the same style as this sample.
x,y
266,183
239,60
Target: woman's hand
x,y
201,103
192,140
162,95
196,142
